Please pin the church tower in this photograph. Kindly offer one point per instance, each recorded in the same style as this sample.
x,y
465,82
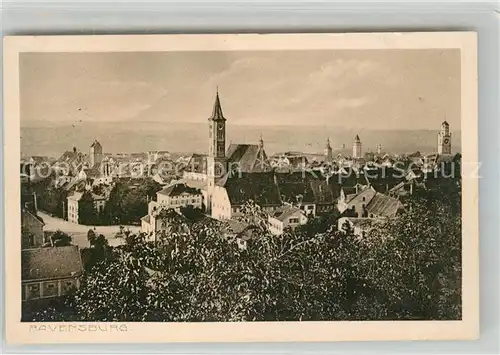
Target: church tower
x,y
356,147
216,166
444,139
217,131
328,151
95,153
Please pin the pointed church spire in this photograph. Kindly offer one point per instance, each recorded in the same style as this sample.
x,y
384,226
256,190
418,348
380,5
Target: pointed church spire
x,y
217,114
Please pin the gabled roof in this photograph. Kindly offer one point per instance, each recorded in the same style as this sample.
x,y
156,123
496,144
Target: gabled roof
x,y
282,213
294,187
364,196
217,114
96,144
385,178
93,173
51,263
247,158
384,206
179,189
323,192
258,187
76,196
33,215
197,164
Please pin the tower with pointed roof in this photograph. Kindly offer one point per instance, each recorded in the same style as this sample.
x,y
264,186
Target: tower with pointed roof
x,y
356,147
328,151
216,158
217,131
95,153
444,139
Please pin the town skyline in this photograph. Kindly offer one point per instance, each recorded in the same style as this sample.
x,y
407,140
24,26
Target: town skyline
x,y
354,89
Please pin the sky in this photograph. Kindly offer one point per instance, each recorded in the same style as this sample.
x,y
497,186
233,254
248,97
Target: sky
x,y
370,89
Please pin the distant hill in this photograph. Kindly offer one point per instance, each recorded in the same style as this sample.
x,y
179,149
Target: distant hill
x,y
53,140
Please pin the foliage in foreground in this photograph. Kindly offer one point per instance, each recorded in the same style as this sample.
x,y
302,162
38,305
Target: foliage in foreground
x,y
408,268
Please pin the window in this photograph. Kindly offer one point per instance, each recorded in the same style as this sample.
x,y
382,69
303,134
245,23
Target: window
x,y
310,207
364,198
293,220
33,291
50,289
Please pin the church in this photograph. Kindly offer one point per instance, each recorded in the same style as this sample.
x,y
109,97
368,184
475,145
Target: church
x,y
215,168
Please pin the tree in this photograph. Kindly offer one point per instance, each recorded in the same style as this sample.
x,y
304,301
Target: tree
x,y
60,239
91,237
114,291
415,261
406,268
87,213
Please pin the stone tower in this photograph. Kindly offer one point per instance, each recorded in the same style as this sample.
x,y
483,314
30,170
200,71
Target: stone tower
x,y
217,132
444,139
216,159
95,153
356,147
328,151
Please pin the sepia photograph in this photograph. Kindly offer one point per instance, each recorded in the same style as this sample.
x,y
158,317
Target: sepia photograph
x,y
244,185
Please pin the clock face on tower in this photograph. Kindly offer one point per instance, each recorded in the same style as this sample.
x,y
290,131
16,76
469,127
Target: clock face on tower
x,y
446,141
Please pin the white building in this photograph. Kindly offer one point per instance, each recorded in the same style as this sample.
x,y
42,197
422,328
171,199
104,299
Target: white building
x,y
179,195
286,216
360,226
356,147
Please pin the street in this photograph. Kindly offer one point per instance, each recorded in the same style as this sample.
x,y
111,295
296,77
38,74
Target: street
x,y
78,232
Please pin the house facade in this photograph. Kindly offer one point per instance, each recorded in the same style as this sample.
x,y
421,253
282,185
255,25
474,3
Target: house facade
x,y
286,217
360,226
31,229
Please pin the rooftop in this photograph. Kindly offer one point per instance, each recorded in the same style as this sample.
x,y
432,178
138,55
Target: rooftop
x,y
51,263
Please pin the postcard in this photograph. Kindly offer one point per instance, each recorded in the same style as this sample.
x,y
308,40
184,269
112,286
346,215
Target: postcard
x,y
241,188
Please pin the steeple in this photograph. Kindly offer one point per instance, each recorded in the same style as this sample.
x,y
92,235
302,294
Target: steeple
x,y
217,114
261,142
356,139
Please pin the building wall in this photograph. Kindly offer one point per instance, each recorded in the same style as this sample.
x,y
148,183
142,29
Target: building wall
x,y
194,176
221,206
182,200
32,231
33,290
99,205
146,227
277,226
72,211
308,208
356,150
